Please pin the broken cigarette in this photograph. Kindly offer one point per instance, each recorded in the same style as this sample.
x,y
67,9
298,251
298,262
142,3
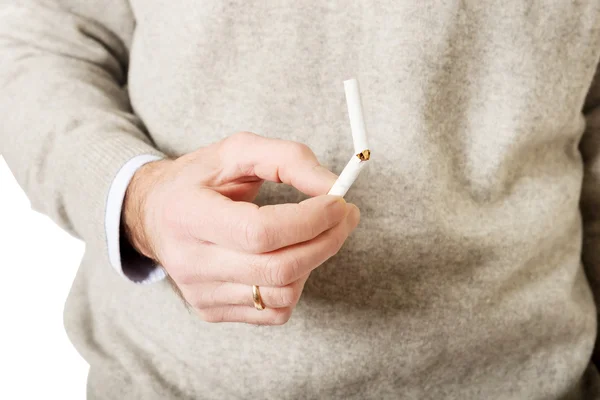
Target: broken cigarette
x,y
359,136
347,177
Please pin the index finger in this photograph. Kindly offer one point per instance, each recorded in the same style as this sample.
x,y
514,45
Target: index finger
x,y
275,160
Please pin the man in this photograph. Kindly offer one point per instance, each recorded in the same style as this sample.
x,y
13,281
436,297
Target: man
x,y
463,280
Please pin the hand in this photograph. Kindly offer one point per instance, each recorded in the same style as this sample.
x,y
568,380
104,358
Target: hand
x,y
195,217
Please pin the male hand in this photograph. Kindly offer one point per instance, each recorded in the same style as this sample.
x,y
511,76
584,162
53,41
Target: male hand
x,y
194,216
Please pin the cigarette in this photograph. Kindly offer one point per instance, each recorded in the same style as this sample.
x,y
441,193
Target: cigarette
x,y
357,121
359,136
347,177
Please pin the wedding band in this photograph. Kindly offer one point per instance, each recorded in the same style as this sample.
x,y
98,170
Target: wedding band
x,y
258,303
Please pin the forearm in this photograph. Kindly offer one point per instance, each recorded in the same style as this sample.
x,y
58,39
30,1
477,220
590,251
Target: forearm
x,y
67,125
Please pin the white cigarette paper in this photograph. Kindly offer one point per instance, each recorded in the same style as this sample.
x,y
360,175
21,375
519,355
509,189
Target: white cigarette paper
x,y
359,136
355,112
347,177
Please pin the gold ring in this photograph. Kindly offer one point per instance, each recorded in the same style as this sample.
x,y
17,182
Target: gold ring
x,y
258,303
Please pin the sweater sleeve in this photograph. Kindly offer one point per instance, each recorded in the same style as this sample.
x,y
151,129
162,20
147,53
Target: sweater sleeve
x,y
590,194
66,124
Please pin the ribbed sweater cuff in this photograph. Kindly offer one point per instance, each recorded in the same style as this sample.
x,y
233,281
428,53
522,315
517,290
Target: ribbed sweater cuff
x,y
97,164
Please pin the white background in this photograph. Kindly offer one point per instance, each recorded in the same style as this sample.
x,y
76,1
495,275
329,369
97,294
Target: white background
x,y
38,262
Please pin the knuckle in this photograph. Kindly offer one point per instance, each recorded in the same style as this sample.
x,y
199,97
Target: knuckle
x,y
302,150
277,272
256,267
270,271
289,269
229,314
235,143
241,138
285,297
293,296
295,266
256,238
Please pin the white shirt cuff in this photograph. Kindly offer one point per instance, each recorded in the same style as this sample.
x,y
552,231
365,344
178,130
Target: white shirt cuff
x,y
112,224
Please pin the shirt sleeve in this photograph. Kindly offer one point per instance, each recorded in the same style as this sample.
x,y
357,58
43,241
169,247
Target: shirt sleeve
x,y
123,258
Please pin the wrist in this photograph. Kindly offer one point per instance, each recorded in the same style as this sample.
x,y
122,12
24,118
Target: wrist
x,y
134,217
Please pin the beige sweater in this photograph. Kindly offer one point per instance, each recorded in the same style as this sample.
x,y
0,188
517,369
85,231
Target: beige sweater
x,y
464,279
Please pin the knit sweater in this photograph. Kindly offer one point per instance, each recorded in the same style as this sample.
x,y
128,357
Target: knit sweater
x,y
465,278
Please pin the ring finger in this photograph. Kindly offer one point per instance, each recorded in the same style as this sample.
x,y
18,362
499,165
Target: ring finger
x,y
218,294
